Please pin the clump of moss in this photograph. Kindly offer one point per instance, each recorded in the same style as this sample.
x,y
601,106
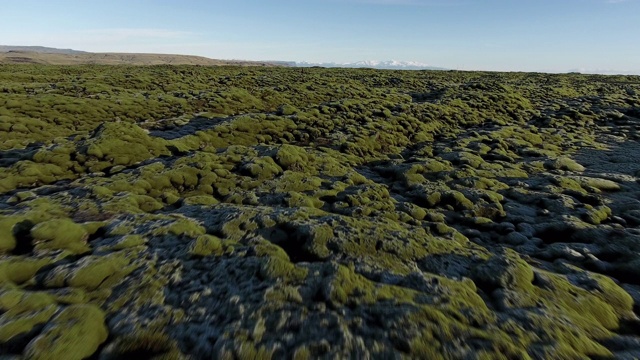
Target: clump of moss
x,y
505,271
91,272
13,327
598,183
22,196
181,227
291,157
206,245
415,211
132,203
129,241
22,311
277,268
286,110
262,168
596,215
568,184
457,200
18,269
120,144
142,344
201,200
7,237
60,234
296,199
75,333
564,163
314,238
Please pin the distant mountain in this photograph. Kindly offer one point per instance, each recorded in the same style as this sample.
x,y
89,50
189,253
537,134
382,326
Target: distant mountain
x,y
11,54
52,56
374,64
605,71
38,49
282,63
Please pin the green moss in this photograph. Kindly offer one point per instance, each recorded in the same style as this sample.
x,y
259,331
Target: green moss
x,y
18,270
276,268
181,227
291,157
565,163
349,287
7,238
296,199
119,229
262,168
143,343
60,234
201,200
456,199
129,241
434,198
102,192
22,311
415,211
302,353
297,181
170,198
94,271
568,184
92,227
597,215
75,333
16,301
91,272
14,324
506,271
435,217
121,144
371,164
22,196
599,184
447,231
284,293
206,245
249,350
132,204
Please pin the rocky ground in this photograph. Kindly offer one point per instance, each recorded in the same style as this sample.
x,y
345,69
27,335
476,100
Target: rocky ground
x,y
332,213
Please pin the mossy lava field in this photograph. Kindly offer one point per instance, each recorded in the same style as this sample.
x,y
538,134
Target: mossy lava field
x,y
174,212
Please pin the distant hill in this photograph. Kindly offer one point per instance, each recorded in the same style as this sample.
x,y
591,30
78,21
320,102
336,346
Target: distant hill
x,y
53,56
38,49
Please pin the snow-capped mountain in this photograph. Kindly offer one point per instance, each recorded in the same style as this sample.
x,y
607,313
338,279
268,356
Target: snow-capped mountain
x,y
375,64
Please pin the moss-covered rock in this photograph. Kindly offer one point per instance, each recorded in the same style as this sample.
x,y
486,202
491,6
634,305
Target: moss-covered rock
x,y
597,215
262,168
20,269
60,234
565,163
291,157
91,272
206,245
505,271
143,343
75,333
120,144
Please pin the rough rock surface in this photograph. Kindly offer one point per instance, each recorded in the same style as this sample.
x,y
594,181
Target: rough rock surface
x,y
335,213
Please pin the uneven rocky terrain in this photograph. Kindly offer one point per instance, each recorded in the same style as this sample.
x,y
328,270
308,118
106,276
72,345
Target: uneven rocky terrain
x,y
190,212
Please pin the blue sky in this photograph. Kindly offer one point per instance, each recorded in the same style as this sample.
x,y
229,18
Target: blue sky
x,y
510,35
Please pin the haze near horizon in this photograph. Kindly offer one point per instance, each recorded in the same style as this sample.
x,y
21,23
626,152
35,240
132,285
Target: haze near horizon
x,y
551,36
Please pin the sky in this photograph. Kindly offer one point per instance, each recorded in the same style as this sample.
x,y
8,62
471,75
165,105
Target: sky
x,y
502,35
